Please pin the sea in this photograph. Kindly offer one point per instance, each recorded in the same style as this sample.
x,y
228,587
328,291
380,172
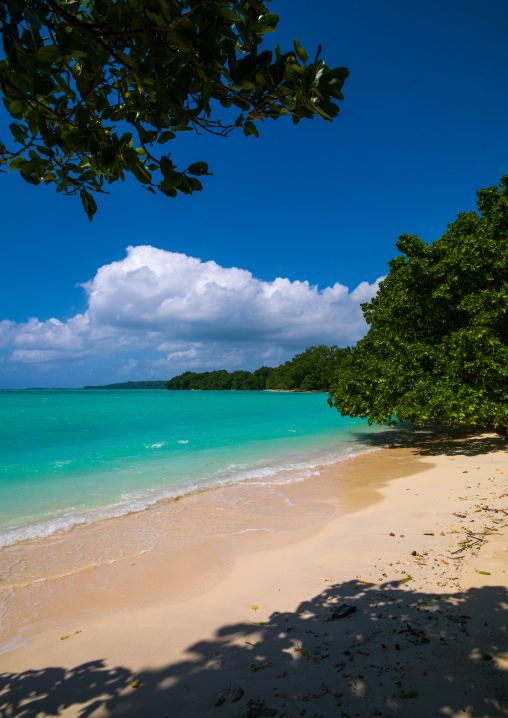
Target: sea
x,y
73,457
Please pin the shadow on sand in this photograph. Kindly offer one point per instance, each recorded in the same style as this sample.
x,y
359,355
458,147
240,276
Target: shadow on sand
x,y
432,441
448,663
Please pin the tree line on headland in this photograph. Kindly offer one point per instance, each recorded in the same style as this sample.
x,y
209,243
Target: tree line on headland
x,y
131,385
310,371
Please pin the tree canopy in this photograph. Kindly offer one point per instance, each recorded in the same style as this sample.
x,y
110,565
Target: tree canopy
x,y
437,346
221,380
310,371
97,88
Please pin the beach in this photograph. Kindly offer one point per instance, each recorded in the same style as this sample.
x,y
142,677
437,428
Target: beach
x,y
408,541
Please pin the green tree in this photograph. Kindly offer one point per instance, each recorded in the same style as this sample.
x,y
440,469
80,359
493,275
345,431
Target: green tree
x,y
240,380
97,88
310,371
217,380
259,378
183,381
437,346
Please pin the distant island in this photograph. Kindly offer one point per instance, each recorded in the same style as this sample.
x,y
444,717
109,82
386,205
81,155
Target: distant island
x,y
132,385
310,371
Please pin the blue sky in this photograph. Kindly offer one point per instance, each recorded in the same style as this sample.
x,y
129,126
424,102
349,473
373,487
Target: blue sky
x,y
421,128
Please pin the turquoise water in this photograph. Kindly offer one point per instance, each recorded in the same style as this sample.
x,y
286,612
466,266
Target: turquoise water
x,y
72,456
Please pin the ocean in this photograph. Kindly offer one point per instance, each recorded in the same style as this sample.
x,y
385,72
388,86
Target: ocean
x,y
71,457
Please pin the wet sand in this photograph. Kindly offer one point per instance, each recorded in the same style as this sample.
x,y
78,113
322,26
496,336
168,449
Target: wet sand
x,y
178,609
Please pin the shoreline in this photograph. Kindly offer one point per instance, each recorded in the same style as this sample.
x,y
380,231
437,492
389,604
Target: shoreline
x,y
273,471
187,647
168,458
35,570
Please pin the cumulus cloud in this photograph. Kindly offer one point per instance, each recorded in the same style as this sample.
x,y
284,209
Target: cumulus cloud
x,y
166,311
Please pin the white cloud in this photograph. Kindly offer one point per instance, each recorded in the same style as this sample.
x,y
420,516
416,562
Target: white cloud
x,y
128,367
7,332
175,312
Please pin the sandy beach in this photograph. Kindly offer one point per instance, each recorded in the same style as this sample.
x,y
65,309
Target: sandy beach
x,y
408,541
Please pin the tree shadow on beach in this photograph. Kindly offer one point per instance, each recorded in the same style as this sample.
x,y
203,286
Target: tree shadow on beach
x,y
402,652
433,441
50,691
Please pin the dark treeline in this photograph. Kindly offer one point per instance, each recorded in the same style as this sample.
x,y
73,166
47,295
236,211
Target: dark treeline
x,y
132,385
221,379
310,371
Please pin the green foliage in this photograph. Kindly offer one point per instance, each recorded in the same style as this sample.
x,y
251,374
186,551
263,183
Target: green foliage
x,y
437,347
221,380
310,371
97,88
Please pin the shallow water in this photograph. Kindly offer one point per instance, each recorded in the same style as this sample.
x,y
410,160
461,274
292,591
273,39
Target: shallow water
x,y
70,457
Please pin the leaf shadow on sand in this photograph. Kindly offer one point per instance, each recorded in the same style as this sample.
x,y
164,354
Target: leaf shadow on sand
x,y
403,652
436,440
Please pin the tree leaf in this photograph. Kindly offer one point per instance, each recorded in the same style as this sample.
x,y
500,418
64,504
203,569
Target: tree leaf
x,y
88,203
270,19
198,168
16,107
302,55
409,694
250,128
48,53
